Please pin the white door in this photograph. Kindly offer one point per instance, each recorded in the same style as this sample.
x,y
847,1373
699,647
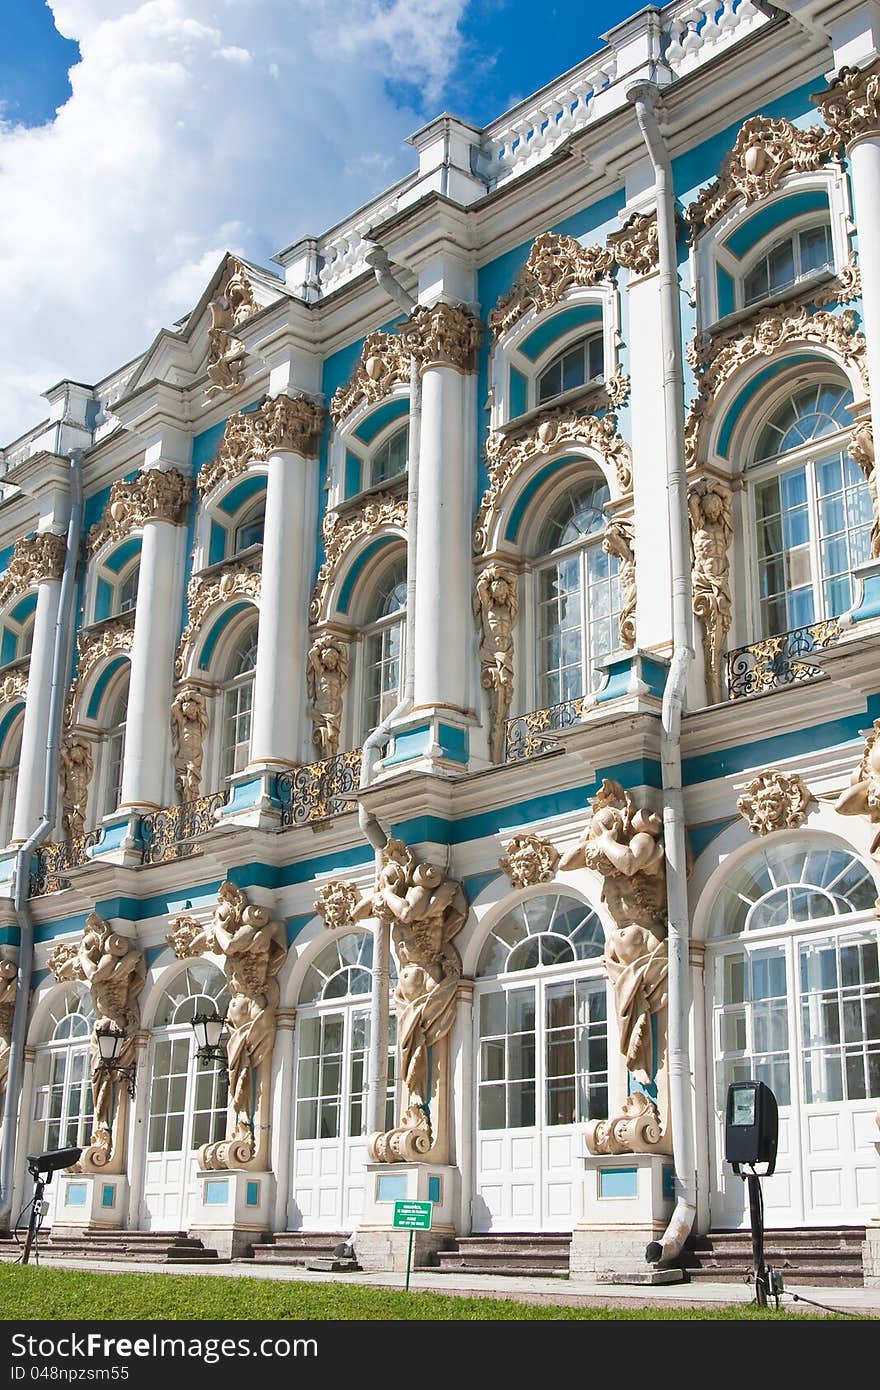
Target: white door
x,y
63,1113
541,1064
187,1108
795,1002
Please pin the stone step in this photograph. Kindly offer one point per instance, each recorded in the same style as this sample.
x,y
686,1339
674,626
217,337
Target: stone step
x,y
508,1267
150,1247
297,1247
507,1252
807,1255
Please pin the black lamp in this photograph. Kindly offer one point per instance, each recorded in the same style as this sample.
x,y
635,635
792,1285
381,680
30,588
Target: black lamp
x,y
110,1044
211,1034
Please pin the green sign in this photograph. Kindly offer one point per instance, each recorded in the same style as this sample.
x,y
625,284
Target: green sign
x,y
413,1216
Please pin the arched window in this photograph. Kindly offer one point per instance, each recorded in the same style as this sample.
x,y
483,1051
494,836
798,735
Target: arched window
x,y
577,595
62,1083
791,258
382,645
113,750
250,530
200,988
127,589
9,764
236,703
389,459
812,509
576,365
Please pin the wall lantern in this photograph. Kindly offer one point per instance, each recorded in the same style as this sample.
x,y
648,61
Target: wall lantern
x,y
110,1044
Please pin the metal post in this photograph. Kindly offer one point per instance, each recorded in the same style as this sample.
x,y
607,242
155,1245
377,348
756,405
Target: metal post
x,y
36,1218
409,1259
757,1218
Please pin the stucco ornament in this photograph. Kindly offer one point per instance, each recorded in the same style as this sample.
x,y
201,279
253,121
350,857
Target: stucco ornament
x,y
75,766
862,796
186,937
326,679
711,518
850,106
156,495
774,801
555,264
280,424
619,541
189,728
624,844
231,306
93,646
115,969
426,910
496,606
637,246
336,903
507,456
33,560
763,336
13,687
383,364
861,450
764,153
254,949
235,581
529,859
340,535
8,992
442,335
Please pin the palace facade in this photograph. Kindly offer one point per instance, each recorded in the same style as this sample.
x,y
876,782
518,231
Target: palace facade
x,y
451,658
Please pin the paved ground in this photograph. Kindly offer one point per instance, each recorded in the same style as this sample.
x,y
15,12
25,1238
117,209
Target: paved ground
x,y
579,1293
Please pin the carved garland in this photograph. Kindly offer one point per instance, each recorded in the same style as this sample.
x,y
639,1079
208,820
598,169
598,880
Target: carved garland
x,y
93,646
851,105
281,422
382,365
34,558
204,594
555,263
339,536
772,330
764,153
507,456
157,495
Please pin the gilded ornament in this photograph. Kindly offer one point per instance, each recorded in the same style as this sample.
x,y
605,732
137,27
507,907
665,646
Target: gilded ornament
x,y
33,560
94,645
75,766
442,335
234,581
862,796
774,801
336,903
189,728
507,455
340,535
861,449
383,364
233,304
710,506
157,495
554,265
851,105
496,606
619,542
13,687
529,859
636,246
8,993
186,937
281,423
326,679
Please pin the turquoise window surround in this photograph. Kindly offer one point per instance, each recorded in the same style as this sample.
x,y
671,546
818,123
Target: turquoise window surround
x,y
24,608
519,393
747,234
353,474
357,567
117,560
242,493
222,622
8,646
217,543
378,419
726,292
754,385
101,685
552,329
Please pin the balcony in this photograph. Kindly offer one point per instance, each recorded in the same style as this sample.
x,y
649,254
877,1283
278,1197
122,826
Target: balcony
x,y
172,832
319,791
530,734
778,662
52,861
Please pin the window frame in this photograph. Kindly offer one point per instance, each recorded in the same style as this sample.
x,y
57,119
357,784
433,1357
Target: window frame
x,y
371,628
245,636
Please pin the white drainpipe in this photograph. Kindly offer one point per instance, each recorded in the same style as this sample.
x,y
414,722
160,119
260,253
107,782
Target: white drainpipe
x,y
644,95
377,1084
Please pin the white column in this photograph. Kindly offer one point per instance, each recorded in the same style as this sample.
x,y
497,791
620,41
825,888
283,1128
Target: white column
x,y
29,800
864,157
444,338
279,733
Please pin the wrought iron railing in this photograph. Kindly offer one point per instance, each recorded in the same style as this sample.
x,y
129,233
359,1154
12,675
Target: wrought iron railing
x,y
319,790
530,734
52,861
172,832
778,661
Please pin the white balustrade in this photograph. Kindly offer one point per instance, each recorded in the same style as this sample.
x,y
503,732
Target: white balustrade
x,y
699,29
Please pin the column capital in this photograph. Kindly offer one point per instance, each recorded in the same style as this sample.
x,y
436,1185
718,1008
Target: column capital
x,y
443,335
851,105
34,560
157,495
292,424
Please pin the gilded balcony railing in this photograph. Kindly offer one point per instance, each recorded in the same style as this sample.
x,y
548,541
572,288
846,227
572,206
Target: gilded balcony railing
x,y
172,832
778,661
530,734
319,790
52,861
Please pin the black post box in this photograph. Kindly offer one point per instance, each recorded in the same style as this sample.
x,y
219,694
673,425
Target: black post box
x,y
751,1125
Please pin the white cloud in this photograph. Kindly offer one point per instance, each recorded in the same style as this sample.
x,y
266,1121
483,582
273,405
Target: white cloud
x,y
193,126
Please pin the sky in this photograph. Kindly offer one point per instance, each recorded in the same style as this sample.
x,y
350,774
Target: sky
x,y
140,139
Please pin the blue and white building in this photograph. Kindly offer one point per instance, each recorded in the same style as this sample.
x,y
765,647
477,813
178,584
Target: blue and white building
x,y
575,417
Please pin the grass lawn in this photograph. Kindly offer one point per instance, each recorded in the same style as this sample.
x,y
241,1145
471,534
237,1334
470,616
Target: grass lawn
x,y
27,1293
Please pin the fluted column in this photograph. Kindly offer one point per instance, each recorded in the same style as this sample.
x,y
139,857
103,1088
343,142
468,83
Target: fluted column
x,y
443,339
159,502
278,733
39,561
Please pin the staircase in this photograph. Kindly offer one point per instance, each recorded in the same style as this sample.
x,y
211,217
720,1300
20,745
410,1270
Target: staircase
x,y
538,1253
298,1247
149,1247
810,1255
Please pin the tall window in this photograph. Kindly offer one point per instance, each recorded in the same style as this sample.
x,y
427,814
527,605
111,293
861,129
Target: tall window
x,y
389,460
237,706
789,260
383,645
250,531
813,511
128,590
578,595
114,751
575,366
63,1086
11,756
